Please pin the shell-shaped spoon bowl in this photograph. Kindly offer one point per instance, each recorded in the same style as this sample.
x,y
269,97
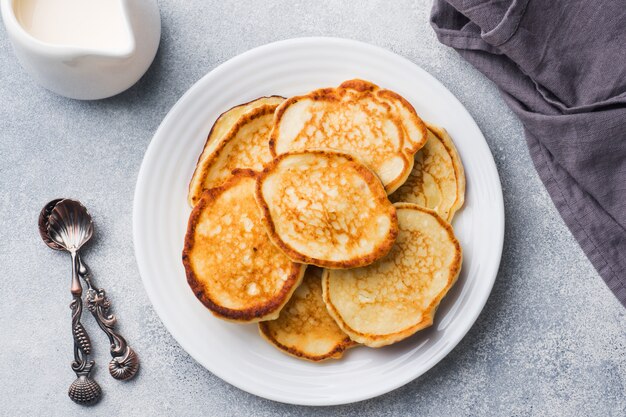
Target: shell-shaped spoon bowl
x,y
43,224
70,225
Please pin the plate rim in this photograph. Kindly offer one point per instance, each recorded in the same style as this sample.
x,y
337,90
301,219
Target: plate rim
x,y
152,293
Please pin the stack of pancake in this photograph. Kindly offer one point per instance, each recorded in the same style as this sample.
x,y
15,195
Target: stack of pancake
x,y
326,219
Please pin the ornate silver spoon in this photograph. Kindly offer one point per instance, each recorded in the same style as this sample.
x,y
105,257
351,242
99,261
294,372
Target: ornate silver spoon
x,y
125,362
66,229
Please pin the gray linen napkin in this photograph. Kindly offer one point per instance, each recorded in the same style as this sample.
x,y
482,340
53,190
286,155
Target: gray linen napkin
x,y
561,67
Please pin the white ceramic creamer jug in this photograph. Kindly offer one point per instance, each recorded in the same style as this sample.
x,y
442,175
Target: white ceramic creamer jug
x,y
84,49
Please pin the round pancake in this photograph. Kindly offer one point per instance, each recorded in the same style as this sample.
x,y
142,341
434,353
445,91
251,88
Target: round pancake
x,y
438,179
326,208
349,120
390,300
304,328
233,119
231,266
415,132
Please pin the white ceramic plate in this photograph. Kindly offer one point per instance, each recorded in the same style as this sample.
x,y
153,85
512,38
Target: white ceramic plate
x,y
236,353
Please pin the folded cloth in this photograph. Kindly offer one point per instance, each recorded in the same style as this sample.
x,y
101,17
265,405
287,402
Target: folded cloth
x,y
561,67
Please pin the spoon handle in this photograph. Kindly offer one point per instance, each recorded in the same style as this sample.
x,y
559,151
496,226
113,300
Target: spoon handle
x,y
125,362
82,342
84,390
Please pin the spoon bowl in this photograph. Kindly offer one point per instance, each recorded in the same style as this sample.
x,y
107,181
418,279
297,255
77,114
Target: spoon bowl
x,y
44,215
69,225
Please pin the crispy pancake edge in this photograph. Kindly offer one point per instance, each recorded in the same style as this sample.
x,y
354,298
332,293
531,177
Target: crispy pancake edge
x,y
459,170
199,173
414,116
429,314
336,353
375,186
250,315
251,115
367,86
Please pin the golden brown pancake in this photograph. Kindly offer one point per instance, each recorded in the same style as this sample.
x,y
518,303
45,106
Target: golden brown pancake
x,y
326,208
357,118
438,179
413,127
238,140
304,328
393,298
231,265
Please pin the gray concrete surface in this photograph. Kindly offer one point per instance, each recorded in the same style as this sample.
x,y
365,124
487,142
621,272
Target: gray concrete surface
x,y
550,342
